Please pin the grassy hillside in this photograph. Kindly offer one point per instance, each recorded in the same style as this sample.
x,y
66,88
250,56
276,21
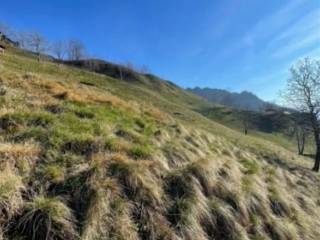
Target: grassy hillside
x,y
273,125
88,156
167,97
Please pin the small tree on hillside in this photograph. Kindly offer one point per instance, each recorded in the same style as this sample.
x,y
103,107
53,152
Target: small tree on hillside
x,y
144,69
76,50
303,93
59,49
38,44
300,130
23,39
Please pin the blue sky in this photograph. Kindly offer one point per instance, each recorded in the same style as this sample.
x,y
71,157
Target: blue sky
x,y
235,45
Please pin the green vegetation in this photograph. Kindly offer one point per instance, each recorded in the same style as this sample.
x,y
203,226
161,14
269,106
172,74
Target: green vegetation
x,y
87,156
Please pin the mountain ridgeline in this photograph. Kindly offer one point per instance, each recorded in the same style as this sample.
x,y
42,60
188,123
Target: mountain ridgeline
x,y
243,101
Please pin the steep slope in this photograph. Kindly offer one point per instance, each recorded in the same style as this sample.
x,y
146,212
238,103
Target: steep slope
x,y
87,156
173,99
243,101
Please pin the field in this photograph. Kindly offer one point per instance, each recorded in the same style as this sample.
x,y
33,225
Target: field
x,y
89,156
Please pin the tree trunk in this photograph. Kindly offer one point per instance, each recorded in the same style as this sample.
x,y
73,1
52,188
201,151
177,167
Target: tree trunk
x,y
302,149
317,159
316,132
301,138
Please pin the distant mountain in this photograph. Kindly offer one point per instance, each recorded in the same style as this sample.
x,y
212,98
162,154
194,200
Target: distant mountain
x,y
244,100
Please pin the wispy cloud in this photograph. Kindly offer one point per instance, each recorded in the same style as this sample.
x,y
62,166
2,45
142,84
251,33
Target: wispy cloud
x,y
300,35
264,29
273,23
309,23
298,44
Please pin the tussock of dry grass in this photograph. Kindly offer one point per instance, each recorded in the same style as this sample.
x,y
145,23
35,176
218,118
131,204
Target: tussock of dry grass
x,y
45,218
11,187
18,156
99,215
137,181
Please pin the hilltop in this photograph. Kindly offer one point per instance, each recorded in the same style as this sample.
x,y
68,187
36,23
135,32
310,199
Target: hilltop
x,y
88,154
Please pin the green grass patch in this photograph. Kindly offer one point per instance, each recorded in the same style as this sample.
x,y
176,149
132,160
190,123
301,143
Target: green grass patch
x,y
140,151
53,173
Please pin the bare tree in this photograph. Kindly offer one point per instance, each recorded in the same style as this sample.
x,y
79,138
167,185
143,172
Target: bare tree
x,y
59,49
38,44
300,130
120,71
303,93
129,66
23,39
144,69
76,50
301,136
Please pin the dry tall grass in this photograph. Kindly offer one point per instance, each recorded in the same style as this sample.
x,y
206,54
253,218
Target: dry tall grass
x,y
72,177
